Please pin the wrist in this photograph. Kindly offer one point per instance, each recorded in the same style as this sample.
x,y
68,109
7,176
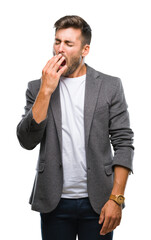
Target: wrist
x,y
118,198
45,92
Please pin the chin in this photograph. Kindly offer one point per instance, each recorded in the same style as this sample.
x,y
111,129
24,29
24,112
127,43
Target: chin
x,y
64,74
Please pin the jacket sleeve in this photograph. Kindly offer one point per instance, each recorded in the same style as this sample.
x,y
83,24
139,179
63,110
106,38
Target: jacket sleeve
x,y
29,132
121,135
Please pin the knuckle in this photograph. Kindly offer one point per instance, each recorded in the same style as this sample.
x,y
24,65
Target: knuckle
x,y
46,72
114,218
119,218
43,71
53,75
49,61
108,217
102,210
57,64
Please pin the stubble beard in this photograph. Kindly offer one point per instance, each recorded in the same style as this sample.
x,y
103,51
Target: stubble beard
x,y
75,62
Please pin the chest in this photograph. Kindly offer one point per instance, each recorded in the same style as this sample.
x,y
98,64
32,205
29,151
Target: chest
x,y
72,98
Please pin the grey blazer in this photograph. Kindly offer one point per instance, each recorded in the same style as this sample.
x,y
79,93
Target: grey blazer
x,y
106,123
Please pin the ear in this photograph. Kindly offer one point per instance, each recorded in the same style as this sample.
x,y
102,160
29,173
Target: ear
x,y
85,50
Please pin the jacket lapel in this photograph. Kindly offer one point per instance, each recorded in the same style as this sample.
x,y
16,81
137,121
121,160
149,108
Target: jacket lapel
x,y
92,89
93,84
56,109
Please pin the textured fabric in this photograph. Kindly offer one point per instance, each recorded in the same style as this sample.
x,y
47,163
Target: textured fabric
x,y
106,122
72,218
72,92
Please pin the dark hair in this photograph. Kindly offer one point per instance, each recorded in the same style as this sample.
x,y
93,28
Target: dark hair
x,y
77,23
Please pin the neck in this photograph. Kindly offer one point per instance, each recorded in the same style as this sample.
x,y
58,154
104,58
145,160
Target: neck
x,y
80,71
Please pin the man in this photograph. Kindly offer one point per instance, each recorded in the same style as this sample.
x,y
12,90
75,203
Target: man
x,y
76,113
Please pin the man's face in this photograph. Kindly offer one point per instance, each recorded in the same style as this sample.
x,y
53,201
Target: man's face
x,y
68,42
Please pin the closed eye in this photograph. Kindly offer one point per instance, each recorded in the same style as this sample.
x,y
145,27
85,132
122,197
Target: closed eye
x,y
57,42
69,43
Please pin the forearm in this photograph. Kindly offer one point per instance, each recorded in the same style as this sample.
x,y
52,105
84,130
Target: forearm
x,y
120,179
111,212
31,128
40,106
29,132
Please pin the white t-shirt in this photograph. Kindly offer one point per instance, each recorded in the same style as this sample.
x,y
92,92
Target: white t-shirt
x,y
72,91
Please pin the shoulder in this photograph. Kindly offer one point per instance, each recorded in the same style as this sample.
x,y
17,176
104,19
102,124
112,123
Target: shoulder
x,y
111,86
34,83
108,81
103,76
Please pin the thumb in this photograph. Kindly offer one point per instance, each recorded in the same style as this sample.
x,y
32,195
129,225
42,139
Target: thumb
x,y
102,216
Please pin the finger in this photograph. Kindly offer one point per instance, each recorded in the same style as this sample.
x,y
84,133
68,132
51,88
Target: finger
x,y
116,223
112,225
105,226
60,72
50,64
102,217
56,59
58,63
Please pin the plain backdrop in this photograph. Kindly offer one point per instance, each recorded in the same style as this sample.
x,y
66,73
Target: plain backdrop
x,y
121,46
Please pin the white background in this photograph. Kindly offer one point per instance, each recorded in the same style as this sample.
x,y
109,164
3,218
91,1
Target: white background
x,y
121,46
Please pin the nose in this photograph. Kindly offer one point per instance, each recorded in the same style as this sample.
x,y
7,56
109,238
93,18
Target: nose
x,y
61,48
